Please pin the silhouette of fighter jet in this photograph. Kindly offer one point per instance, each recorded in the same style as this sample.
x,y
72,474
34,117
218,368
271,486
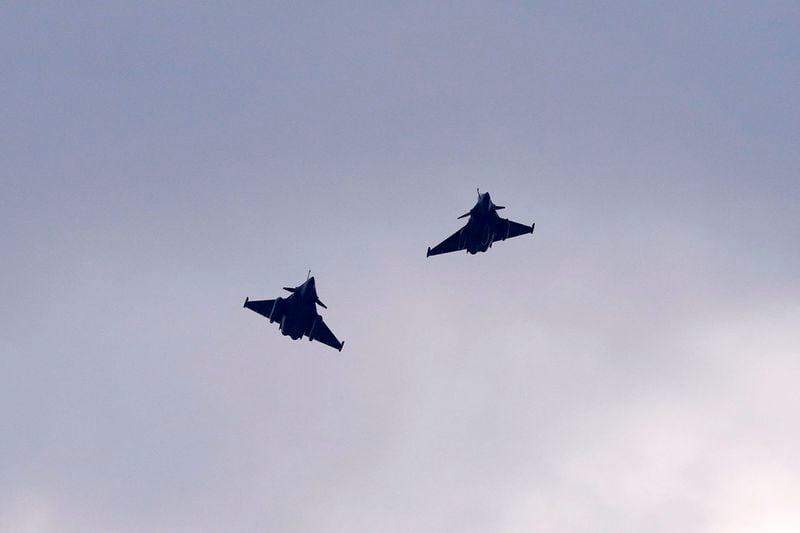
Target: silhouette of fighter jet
x,y
483,228
297,313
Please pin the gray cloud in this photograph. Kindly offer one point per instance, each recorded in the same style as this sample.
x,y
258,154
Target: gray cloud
x,y
629,368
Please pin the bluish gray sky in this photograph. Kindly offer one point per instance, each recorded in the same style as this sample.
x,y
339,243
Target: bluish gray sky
x,y
632,367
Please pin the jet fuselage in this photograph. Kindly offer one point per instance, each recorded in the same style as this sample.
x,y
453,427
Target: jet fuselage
x,y
299,310
477,234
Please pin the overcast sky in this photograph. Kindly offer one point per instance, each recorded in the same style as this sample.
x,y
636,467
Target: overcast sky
x,y
630,367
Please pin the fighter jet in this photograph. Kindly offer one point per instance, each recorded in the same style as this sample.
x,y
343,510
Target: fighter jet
x,y
483,228
297,313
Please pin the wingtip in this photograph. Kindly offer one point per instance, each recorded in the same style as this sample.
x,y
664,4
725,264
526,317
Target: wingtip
x,y
247,299
533,226
341,346
429,252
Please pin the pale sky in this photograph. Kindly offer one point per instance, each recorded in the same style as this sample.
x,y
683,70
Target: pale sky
x,y
632,366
